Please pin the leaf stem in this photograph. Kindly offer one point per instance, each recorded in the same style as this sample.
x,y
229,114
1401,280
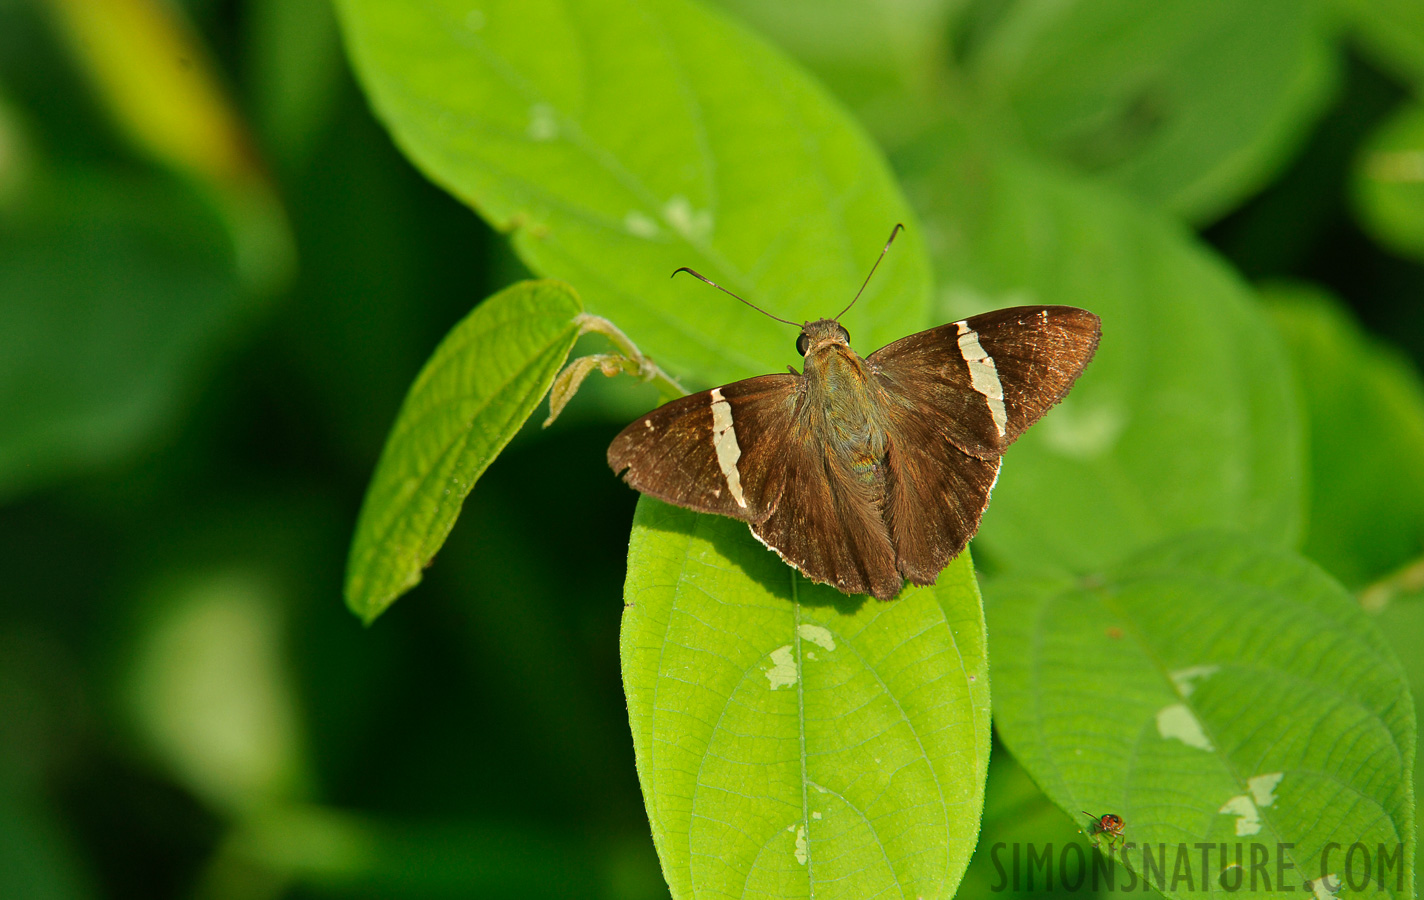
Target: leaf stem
x,y
629,361
646,368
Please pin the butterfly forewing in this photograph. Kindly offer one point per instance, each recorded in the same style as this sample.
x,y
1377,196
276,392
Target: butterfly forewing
x,y
716,451
1038,352
956,397
990,376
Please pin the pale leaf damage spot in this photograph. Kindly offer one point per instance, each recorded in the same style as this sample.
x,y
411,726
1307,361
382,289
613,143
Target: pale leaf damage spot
x,y
1185,679
817,635
685,220
1263,787
1081,430
801,844
640,225
1177,722
1247,807
543,124
783,668
1248,819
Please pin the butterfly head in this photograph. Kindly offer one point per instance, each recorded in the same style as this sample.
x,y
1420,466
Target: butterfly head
x,y
822,333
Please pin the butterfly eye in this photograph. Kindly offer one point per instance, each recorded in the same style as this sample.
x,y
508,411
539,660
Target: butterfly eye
x,y
801,344
845,334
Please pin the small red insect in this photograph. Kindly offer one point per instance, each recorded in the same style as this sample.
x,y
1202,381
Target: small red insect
x,y
1109,824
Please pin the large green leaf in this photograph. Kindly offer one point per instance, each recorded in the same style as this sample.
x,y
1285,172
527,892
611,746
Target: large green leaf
x,y
1208,691
1191,104
1366,505
474,394
622,139
792,741
1186,419
113,296
1388,187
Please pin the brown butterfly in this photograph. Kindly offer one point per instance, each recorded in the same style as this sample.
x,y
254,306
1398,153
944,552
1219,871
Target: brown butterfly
x,y
864,472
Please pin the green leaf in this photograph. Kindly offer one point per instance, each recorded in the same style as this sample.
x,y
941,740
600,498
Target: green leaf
x,y
1388,187
792,741
115,294
621,140
1191,104
1186,419
1366,507
1208,691
473,395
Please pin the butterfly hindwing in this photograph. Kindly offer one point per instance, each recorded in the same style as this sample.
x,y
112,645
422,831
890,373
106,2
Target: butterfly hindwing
x,y
936,494
828,524
717,451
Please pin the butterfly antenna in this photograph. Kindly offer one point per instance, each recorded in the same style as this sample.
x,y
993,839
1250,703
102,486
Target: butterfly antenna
x,y
894,231
705,280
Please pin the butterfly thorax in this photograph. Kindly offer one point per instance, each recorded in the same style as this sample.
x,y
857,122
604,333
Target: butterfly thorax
x,y
842,411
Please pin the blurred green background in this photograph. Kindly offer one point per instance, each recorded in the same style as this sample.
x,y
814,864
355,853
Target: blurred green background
x,y
218,278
